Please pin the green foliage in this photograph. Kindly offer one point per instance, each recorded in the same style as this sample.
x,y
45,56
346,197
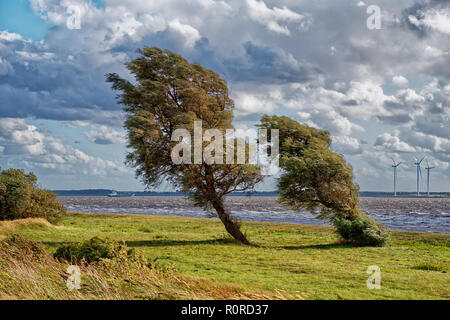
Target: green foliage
x,y
93,250
21,198
318,180
170,93
362,230
314,178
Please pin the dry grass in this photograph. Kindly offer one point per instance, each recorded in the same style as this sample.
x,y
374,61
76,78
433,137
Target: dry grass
x,y
9,226
27,271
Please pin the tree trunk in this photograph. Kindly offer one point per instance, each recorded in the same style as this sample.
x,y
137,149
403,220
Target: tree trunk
x,y
230,225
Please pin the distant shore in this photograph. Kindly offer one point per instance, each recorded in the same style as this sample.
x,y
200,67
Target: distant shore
x,y
363,194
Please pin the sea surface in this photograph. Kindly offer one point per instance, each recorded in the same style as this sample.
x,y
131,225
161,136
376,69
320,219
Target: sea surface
x,y
430,215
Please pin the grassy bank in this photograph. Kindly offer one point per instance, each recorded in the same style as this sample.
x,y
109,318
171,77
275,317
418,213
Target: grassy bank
x,y
298,261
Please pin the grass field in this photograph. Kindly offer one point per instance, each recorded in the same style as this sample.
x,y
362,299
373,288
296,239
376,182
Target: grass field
x,y
284,260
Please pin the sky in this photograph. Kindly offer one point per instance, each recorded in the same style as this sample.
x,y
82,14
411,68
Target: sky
x,y
381,91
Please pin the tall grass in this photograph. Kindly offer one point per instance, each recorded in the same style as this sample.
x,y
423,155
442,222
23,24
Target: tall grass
x,y
29,272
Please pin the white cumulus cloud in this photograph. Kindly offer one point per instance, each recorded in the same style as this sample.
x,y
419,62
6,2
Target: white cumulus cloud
x,y
276,19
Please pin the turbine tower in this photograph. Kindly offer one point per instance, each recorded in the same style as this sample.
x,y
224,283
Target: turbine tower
x,y
395,165
428,177
419,174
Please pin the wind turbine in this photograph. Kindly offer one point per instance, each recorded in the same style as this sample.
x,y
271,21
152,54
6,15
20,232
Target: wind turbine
x,y
395,165
419,174
428,177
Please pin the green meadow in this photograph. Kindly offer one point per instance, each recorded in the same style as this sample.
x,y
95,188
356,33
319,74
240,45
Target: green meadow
x,y
284,261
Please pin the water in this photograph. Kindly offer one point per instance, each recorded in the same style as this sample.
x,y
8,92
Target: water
x,y
430,215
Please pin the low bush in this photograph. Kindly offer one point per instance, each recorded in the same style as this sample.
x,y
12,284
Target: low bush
x,y
93,250
362,231
21,198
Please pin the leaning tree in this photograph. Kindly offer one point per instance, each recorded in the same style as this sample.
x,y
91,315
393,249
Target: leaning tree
x,y
318,180
169,93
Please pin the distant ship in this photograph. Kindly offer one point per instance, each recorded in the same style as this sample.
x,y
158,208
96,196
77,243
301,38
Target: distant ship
x,y
115,194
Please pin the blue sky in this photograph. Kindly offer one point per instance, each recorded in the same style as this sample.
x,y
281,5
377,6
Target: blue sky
x,y
380,93
18,17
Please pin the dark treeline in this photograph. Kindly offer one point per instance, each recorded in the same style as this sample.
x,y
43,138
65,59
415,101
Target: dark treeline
x,y
105,192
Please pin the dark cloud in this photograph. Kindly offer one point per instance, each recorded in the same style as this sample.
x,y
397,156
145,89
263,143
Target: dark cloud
x,y
395,119
269,65
416,17
49,86
62,78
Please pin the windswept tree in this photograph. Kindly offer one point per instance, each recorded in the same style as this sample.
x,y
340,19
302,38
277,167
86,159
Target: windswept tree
x,y
169,93
318,180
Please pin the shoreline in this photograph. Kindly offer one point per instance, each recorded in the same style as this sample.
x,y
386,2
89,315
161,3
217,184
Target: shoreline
x,y
319,226
416,215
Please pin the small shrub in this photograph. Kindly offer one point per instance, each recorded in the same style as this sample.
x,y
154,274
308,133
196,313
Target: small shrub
x,y
21,198
361,230
93,250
